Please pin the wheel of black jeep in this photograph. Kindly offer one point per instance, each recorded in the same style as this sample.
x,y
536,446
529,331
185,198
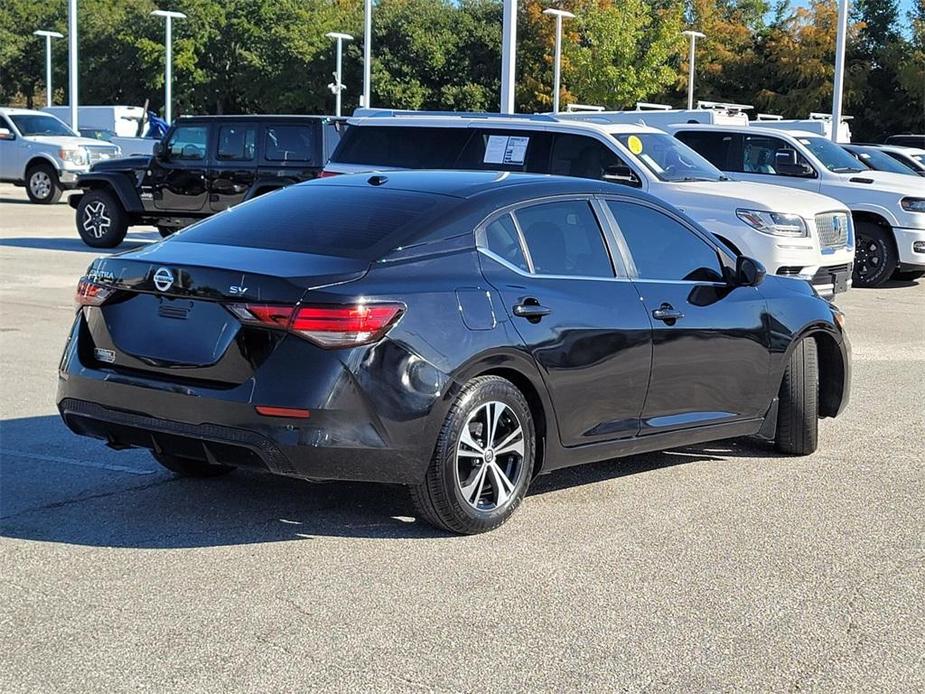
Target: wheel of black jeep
x,y
101,221
798,407
42,184
875,257
908,275
189,467
483,461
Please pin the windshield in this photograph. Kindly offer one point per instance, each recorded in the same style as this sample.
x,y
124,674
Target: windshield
x,y
29,124
832,157
880,161
668,158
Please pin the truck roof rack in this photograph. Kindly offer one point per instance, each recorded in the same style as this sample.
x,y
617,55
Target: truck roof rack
x,y
708,105
826,116
583,108
768,116
648,106
393,113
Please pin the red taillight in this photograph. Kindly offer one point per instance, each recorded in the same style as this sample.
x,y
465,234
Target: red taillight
x,y
91,294
293,412
327,326
327,174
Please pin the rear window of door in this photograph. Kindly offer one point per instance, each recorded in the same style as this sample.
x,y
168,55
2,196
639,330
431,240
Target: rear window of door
x,y
506,150
758,155
582,157
564,238
662,248
401,147
237,143
290,143
717,148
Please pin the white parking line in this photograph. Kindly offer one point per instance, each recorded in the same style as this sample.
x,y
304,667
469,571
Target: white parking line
x,y
77,463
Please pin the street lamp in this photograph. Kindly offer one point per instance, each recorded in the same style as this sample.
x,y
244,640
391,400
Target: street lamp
x,y
839,67
168,63
508,54
559,15
72,61
694,35
367,51
337,86
49,35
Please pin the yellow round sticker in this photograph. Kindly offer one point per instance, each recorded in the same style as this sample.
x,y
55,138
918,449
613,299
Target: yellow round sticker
x,y
635,144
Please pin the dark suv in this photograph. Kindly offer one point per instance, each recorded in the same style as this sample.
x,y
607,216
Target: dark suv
x,y
203,165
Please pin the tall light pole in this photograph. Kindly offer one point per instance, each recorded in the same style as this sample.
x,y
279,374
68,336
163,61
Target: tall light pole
x,y
72,61
508,54
168,61
367,52
49,35
694,35
557,72
338,86
839,67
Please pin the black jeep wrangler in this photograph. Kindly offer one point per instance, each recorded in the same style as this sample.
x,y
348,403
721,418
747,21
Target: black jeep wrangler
x,y
203,165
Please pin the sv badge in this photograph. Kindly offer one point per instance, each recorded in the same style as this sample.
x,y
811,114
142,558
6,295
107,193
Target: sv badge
x,y
236,290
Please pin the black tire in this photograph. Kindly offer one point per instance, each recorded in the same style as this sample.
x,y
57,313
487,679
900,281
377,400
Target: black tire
x,y
189,467
101,220
908,275
42,184
875,257
440,499
798,408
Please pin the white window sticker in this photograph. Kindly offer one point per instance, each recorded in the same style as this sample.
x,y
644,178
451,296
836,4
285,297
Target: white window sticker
x,y
502,149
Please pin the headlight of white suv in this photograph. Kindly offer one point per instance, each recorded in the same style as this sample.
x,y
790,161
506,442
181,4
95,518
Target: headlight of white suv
x,y
913,204
76,156
774,223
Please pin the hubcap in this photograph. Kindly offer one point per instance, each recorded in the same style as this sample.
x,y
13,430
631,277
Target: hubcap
x,y
95,221
490,456
40,184
868,257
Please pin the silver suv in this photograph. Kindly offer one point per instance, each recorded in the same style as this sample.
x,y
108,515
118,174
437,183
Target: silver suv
x,y
43,154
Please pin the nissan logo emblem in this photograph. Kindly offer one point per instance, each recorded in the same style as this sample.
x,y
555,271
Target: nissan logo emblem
x,y
163,279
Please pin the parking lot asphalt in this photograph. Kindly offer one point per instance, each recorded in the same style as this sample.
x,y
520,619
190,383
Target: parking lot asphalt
x,y
721,566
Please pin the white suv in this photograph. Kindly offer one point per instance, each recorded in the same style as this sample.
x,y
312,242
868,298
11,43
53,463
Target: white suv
x,y
888,208
802,235
40,152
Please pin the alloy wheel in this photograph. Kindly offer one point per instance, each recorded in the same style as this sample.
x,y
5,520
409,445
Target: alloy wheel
x,y
96,222
490,456
40,184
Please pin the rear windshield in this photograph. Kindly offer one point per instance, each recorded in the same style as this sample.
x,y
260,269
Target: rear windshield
x,y
343,221
405,148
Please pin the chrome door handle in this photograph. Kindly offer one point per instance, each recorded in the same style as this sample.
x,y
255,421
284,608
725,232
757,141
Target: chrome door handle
x,y
667,313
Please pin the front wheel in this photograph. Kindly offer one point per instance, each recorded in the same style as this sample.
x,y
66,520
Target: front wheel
x,y
483,461
875,257
101,221
908,275
42,185
798,407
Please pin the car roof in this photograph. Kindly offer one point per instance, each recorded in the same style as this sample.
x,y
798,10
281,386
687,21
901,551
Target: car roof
x,y
470,184
753,129
257,118
9,110
539,121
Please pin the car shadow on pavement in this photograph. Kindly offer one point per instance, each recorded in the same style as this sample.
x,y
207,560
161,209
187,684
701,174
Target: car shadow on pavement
x,y
57,487
133,240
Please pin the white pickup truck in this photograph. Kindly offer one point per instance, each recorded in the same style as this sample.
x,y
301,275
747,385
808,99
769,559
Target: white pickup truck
x,y
40,152
802,235
888,209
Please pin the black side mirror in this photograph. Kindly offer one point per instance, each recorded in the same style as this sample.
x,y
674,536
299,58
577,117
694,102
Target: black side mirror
x,y
158,150
787,163
749,272
620,173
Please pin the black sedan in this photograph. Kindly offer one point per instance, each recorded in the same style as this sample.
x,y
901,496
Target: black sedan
x,y
459,333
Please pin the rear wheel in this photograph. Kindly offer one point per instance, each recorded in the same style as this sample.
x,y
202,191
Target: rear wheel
x,y
101,221
483,461
798,410
875,257
42,185
189,467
